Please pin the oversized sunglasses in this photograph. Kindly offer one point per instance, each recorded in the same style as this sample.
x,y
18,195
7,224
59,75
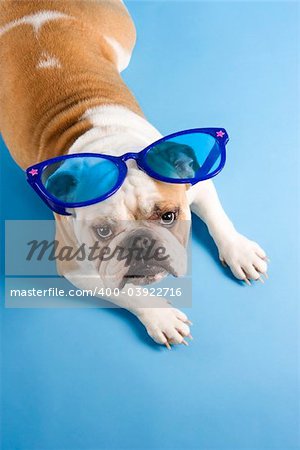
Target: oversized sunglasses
x,y
76,180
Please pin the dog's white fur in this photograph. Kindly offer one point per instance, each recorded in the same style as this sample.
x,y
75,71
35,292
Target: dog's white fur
x,y
120,129
47,61
36,20
123,57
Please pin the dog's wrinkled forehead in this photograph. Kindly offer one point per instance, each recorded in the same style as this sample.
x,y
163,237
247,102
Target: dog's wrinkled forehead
x,y
136,199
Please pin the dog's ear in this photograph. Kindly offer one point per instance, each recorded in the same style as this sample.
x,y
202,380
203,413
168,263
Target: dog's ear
x,y
188,152
174,160
66,244
62,185
80,179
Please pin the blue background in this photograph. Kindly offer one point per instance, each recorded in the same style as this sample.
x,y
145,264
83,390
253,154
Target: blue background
x,y
91,379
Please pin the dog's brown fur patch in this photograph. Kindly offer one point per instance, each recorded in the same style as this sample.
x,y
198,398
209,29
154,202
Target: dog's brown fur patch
x,y
41,109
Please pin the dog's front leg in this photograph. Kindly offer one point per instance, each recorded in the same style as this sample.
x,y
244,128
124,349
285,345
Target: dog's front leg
x,y
165,324
245,258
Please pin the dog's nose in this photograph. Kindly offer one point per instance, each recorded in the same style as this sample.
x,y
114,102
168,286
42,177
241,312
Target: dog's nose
x,y
140,239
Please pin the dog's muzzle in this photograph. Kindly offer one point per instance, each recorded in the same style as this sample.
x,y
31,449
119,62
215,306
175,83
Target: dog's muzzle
x,y
143,254
148,260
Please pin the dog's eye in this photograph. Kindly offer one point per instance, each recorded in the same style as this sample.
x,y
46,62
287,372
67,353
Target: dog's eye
x,y
168,218
104,231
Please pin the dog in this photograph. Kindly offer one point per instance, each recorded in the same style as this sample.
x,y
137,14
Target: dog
x,y
61,93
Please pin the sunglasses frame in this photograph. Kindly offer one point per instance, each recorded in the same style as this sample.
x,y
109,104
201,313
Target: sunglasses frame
x,y
34,173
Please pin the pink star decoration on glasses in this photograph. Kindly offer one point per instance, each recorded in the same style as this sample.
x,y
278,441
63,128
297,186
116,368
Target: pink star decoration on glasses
x,y
220,133
33,172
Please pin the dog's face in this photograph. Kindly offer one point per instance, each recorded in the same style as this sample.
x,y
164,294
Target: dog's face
x,y
140,234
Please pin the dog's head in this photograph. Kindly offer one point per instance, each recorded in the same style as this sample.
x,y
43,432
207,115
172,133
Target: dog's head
x,y
139,234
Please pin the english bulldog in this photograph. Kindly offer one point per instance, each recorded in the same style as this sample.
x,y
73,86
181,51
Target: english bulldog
x,y
61,93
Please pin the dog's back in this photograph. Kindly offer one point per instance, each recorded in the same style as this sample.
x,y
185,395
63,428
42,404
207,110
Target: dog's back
x,y
60,59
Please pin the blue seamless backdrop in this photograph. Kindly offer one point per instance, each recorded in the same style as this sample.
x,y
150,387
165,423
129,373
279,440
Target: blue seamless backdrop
x,y
91,379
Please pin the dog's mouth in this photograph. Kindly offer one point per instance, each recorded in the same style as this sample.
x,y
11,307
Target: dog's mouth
x,y
143,257
143,275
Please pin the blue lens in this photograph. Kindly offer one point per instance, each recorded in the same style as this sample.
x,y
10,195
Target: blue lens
x,y
191,155
80,179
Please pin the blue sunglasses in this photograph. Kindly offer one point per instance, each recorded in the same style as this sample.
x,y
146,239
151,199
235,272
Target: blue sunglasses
x,y
73,181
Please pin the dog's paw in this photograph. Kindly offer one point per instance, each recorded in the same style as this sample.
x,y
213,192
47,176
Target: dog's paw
x,y
246,259
166,325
